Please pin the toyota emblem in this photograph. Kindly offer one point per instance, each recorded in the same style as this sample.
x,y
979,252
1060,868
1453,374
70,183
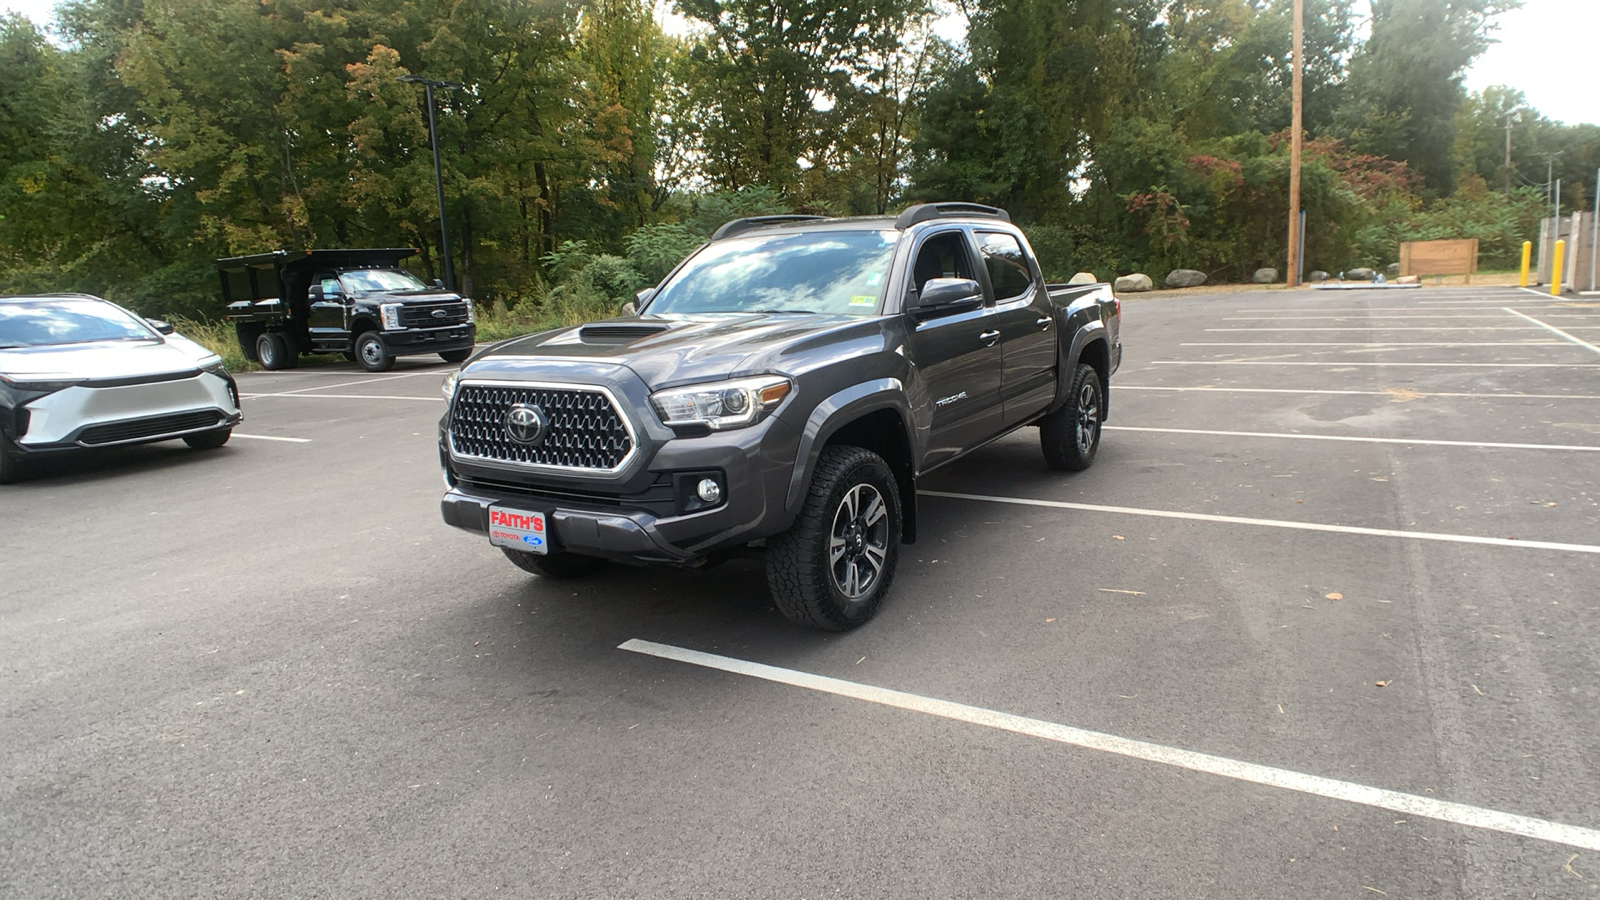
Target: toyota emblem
x,y
526,423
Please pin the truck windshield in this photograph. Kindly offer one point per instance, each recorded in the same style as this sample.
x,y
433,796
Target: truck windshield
x,y
360,281
833,272
67,320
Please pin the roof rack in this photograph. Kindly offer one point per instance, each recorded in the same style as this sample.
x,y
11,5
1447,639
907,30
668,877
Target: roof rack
x,y
739,226
923,212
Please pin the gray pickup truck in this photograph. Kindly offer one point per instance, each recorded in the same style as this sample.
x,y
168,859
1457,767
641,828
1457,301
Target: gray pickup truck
x,y
783,388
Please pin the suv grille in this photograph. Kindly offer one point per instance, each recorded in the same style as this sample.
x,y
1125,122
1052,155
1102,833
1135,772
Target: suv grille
x,y
583,428
144,429
421,315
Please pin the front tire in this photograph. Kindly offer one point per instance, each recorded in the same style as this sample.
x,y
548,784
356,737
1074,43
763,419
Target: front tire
x,y
208,440
371,354
10,465
1070,436
275,352
833,568
557,566
455,356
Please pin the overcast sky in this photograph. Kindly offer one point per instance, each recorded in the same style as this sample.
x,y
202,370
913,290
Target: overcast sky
x,y
1539,53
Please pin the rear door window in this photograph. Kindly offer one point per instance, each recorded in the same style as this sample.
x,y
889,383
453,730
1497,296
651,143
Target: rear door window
x,y
1009,273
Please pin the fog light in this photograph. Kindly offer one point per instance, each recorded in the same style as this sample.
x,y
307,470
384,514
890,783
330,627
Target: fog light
x,y
708,490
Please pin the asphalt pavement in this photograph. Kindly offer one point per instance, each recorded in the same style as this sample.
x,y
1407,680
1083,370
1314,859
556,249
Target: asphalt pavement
x,y
1321,621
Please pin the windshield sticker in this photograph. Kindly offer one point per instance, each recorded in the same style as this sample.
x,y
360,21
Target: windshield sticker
x,y
874,279
863,300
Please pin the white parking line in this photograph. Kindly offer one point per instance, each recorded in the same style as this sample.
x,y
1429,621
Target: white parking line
x,y
1221,766
1406,394
1275,523
343,397
1282,318
1553,329
1381,328
1324,363
268,437
1357,440
1374,344
326,387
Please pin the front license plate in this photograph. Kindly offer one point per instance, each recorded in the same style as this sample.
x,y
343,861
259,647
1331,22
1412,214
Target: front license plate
x,y
518,529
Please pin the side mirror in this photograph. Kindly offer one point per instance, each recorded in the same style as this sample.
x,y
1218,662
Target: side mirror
x,y
160,326
643,297
315,294
944,296
438,284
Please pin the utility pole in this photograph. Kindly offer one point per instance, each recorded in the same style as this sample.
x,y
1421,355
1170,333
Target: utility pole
x,y
1507,168
1295,238
438,175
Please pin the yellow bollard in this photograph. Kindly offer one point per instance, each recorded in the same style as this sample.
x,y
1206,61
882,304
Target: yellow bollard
x,y
1555,269
1527,257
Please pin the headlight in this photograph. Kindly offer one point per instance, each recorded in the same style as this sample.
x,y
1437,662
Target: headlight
x,y
391,316
472,314
217,368
449,386
724,405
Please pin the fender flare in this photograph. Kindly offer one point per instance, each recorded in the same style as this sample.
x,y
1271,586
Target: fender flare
x,y
840,409
1071,354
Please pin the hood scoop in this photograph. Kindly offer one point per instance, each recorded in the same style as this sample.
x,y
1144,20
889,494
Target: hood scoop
x,y
609,332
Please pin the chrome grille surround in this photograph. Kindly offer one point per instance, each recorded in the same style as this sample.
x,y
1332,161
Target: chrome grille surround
x,y
588,432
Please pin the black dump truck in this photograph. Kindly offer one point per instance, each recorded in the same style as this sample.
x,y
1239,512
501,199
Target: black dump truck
x,y
358,303
784,389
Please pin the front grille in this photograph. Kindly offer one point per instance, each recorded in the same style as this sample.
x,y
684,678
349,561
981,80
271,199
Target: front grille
x,y
153,427
421,315
658,498
584,429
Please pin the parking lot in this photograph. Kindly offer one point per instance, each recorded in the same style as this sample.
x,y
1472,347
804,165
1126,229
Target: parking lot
x,y
1323,620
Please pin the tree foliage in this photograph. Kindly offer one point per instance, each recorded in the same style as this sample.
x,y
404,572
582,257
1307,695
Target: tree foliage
x,y
587,151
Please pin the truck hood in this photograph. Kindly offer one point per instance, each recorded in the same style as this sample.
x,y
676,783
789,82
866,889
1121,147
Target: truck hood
x,y
425,295
106,359
668,350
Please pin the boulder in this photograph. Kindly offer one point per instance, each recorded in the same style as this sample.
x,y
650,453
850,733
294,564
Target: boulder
x,y
1393,271
1361,274
1133,284
1183,278
1265,276
1084,278
1408,279
1317,275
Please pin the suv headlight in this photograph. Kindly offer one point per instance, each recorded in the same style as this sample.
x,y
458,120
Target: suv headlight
x,y
449,386
391,316
723,405
472,314
42,384
217,368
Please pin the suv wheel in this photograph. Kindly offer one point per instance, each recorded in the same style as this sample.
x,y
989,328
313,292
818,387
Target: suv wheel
x,y
10,466
833,568
1070,436
371,353
559,565
275,352
455,356
208,440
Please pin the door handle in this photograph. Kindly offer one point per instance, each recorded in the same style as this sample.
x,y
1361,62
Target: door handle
x,y
1043,322
989,337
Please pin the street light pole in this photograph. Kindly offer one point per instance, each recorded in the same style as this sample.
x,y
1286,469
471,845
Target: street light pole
x,y
438,176
1296,238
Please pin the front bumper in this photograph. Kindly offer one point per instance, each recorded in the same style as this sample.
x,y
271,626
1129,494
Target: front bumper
x,y
90,415
430,340
651,515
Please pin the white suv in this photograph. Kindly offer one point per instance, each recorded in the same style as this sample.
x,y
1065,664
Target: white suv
x,y
79,372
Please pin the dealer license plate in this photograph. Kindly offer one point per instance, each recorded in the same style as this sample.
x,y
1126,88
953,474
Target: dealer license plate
x,y
518,529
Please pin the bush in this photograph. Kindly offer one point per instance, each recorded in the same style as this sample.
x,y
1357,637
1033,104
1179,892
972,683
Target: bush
x,y
655,249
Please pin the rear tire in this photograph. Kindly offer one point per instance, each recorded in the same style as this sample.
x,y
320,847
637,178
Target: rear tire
x,y
455,356
557,566
208,440
1070,436
833,567
275,352
371,354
